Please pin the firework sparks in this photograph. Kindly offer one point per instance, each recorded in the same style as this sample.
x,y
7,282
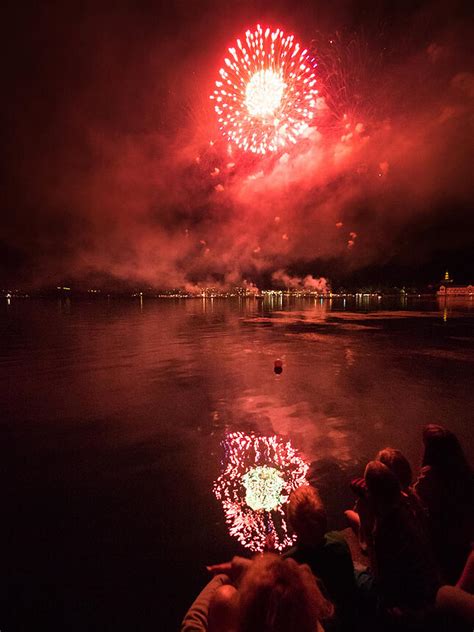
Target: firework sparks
x,y
266,94
259,475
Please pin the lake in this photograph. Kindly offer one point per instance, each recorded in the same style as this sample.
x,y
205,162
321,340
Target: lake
x,y
113,414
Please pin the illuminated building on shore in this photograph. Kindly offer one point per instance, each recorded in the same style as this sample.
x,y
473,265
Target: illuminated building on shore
x,y
456,290
448,289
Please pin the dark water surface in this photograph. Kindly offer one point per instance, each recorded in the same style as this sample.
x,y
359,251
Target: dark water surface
x,y
112,418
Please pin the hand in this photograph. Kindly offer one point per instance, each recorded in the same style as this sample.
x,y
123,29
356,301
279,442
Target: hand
x,y
233,569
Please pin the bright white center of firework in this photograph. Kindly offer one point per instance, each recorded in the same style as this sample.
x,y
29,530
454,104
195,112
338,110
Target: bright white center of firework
x,y
263,487
263,93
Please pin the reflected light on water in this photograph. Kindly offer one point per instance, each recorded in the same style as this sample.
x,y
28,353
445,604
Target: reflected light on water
x,y
113,414
258,475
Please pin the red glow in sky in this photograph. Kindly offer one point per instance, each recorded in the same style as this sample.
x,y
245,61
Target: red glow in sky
x,y
116,171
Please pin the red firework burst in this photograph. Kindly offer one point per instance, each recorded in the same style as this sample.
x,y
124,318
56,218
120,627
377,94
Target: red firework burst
x,y
266,94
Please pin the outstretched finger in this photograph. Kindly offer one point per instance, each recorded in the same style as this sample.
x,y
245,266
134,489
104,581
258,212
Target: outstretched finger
x,y
219,568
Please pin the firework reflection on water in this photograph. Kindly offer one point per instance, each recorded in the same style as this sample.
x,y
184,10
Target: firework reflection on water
x,y
259,473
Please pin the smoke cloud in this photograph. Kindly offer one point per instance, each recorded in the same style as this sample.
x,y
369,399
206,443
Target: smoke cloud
x,y
297,283
116,169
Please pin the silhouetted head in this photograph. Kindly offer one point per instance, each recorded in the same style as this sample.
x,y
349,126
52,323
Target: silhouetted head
x,y
398,464
278,595
443,451
307,516
382,485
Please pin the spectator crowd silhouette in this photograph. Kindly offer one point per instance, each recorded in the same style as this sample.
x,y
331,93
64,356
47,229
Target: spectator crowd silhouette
x,y
410,565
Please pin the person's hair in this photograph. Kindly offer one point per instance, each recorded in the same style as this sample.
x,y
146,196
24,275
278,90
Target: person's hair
x,y
443,450
382,484
398,464
278,595
306,514
444,454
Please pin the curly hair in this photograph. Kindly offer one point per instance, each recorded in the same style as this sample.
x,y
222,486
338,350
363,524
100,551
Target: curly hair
x,y
278,595
306,513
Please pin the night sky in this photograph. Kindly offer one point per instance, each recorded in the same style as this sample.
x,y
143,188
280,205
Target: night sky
x,y
110,176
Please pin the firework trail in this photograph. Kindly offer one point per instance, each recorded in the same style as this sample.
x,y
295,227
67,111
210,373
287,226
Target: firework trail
x,y
266,94
352,83
259,475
